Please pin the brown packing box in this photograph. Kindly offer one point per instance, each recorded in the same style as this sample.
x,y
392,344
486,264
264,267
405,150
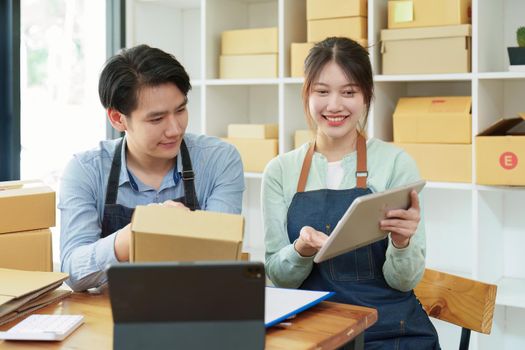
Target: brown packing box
x,y
255,153
248,66
298,53
350,27
427,13
433,120
249,41
28,250
319,9
426,50
26,205
302,136
441,162
253,131
500,153
27,291
170,234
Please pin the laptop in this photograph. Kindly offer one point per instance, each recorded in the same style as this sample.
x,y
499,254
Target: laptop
x,y
199,305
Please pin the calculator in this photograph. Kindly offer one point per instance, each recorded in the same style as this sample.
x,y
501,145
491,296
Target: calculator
x,y
44,327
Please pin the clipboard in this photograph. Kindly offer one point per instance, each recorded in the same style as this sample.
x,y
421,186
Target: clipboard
x,y
284,303
359,226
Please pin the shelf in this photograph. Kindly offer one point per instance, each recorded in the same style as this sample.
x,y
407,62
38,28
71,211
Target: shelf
x,y
450,185
484,222
500,188
502,75
227,82
511,292
196,82
424,77
253,175
293,80
182,4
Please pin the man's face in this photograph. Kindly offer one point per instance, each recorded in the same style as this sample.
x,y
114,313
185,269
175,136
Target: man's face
x,y
156,127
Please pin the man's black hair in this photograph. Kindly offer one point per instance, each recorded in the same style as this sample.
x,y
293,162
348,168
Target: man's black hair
x,y
126,73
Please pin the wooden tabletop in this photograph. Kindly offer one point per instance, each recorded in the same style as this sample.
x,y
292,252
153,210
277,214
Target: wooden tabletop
x,y
325,326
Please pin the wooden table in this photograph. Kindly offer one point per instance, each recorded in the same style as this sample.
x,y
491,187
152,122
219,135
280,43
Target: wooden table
x,y
325,326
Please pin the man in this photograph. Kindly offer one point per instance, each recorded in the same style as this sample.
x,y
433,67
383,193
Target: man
x,y
144,91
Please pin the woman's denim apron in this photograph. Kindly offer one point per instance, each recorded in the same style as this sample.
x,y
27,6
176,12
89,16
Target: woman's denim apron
x,y
357,277
116,216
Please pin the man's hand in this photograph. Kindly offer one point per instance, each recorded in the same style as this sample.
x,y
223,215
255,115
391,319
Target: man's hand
x,y
122,243
309,241
170,203
124,235
402,224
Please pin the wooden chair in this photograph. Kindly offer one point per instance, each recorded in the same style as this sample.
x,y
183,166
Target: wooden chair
x,y
461,301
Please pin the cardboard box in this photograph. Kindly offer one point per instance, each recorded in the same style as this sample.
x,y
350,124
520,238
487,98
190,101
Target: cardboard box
x,y
350,27
170,234
303,136
421,50
26,205
298,53
250,41
255,153
428,13
441,162
500,153
248,66
433,120
253,131
28,250
23,292
321,9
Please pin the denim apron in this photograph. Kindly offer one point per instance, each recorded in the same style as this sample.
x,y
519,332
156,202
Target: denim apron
x,y
357,277
116,216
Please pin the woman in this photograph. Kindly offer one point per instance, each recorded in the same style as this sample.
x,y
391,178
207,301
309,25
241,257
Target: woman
x,y
306,191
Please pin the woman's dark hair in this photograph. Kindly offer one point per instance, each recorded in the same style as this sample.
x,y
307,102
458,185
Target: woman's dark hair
x,y
353,60
126,73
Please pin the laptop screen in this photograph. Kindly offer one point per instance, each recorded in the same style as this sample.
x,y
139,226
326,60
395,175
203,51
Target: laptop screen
x,y
199,291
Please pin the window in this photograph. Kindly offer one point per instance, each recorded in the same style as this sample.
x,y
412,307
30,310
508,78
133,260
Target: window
x,y
63,48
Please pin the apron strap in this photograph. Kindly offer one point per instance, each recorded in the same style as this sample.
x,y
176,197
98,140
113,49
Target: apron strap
x,y
188,176
114,175
361,173
305,170
190,197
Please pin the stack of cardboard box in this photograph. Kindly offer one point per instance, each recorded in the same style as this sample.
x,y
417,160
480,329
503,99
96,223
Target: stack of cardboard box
x,y
257,144
326,18
27,212
436,132
249,53
427,36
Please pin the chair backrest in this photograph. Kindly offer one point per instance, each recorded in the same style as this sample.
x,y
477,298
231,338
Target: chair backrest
x,y
461,301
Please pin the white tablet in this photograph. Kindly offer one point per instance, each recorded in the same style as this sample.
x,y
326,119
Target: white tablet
x,y
359,226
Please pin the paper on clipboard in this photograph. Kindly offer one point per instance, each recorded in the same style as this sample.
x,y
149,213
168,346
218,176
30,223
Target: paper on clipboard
x,y
359,225
282,303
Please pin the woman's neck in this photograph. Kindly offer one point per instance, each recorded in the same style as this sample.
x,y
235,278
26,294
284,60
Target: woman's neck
x,y
335,149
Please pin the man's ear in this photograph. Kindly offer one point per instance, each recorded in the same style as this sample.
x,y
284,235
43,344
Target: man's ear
x,y
117,120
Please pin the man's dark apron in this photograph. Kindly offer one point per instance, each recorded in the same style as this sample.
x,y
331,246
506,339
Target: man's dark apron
x,y
356,277
116,216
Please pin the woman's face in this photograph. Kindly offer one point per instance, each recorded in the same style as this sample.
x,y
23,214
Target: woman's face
x,y
336,104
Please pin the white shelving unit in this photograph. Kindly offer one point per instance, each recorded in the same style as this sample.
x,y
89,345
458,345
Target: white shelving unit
x,y
472,230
